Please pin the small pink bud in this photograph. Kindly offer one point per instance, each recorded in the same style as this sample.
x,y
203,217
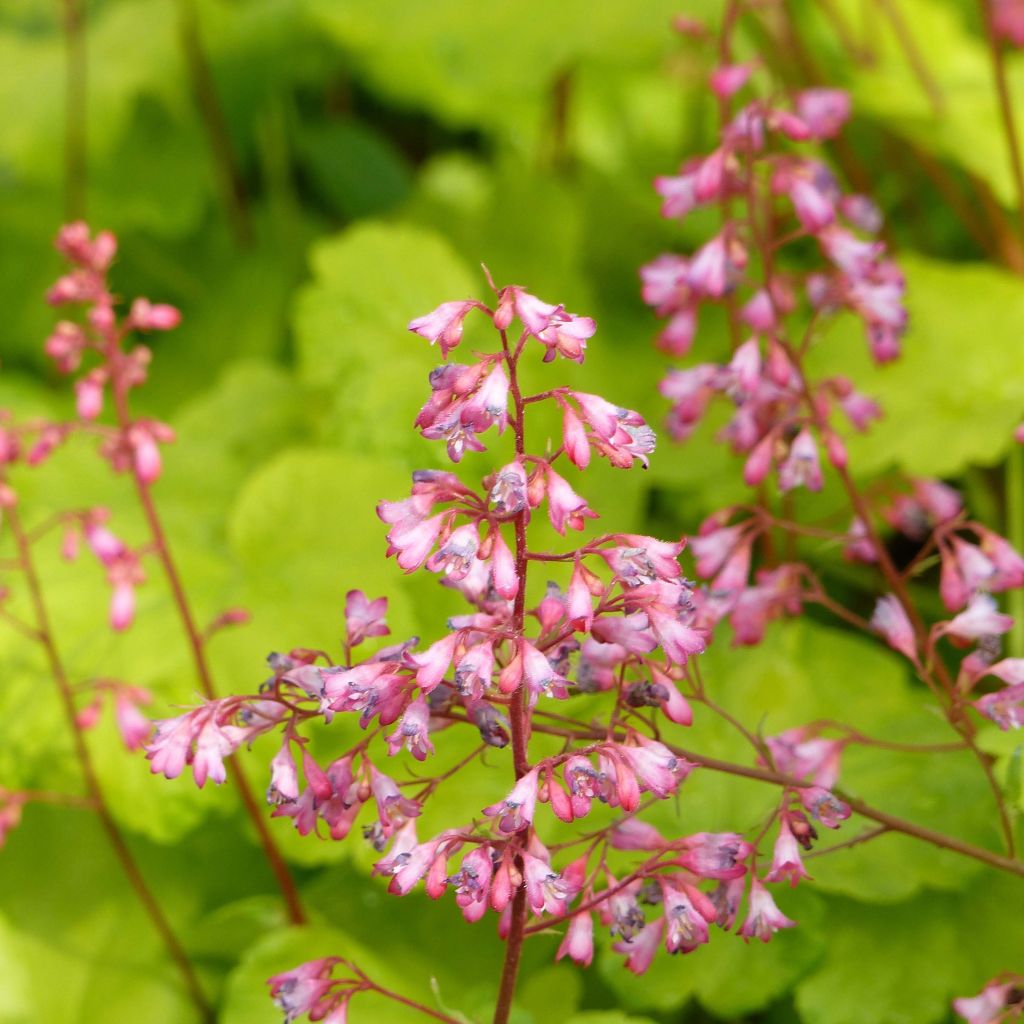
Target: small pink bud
x,y
147,316
122,606
89,396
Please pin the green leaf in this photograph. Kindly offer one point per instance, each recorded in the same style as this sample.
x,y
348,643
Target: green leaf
x,y
305,532
352,333
881,964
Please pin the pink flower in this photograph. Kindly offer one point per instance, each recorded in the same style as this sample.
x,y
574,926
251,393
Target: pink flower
x,y
656,768
716,267
824,111
728,79
560,332
677,193
412,538
813,208
443,325
284,777
1008,25
578,943
786,861
979,619
148,316
1005,707
546,891
801,467
715,855
472,883
364,618
988,1006
632,834
890,619
304,988
641,947
89,395
412,732
764,918
132,724
433,663
455,557
503,568
565,506
759,312
508,492
686,918
824,806
515,812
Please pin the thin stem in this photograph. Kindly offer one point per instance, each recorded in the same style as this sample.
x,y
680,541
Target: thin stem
x,y
91,779
864,837
411,1003
75,108
229,176
914,56
194,635
1006,111
865,810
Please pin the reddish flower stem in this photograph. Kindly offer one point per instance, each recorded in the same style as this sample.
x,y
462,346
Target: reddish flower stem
x,y
519,716
75,77
865,810
92,783
161,548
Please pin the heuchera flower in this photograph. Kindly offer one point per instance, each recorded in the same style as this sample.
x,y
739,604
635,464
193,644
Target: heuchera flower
x,y
764,918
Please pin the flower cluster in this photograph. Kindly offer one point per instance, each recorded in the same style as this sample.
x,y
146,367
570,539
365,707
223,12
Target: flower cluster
x,y
620,620
778,197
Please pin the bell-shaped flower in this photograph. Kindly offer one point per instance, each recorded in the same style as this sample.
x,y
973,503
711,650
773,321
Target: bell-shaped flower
x,y
472,883
546,890
284,777
764,918
1005,707
824,111
786,860
515,812
990,1004
364,618
824,806
979,619
641,947
455,556
433,663
891,621
412,732
443,325
412,539
715,854
578,943
686,918
801,468
565,506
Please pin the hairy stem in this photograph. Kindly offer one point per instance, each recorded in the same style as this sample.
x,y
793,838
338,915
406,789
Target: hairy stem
x,y
519,716
96,797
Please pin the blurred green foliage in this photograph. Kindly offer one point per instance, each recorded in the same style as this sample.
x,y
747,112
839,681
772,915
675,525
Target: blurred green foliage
x,y
383,151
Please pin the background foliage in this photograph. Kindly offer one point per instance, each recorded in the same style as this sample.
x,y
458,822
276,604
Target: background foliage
x,y
383,151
